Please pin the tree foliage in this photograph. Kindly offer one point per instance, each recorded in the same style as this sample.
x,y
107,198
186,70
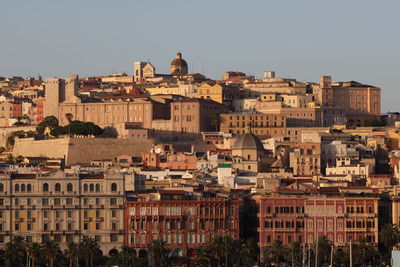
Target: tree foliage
x,y
48,122
77,128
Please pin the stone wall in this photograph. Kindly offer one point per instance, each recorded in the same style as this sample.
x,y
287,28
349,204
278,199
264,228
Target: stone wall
x,y
7,131
81,150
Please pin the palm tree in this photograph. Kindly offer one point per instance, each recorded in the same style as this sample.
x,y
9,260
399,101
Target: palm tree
x,y
15,250
364,252
324,250
277,252
51,250
389,235
10,159
249,252
34,252
219,246
341,256
203,256
89,248
127,256
71,252
69,118
295,253
216,121
159,253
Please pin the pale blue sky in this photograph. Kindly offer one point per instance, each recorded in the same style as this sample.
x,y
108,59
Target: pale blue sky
x,y
348,39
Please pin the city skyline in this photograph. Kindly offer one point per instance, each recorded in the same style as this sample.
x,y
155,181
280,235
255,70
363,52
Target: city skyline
x,y
350,41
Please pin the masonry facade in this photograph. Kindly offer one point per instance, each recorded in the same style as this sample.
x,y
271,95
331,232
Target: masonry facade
x,y
64,207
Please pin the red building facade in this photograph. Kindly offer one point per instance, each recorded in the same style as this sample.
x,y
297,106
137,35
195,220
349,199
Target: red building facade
x,y
183,222
303,218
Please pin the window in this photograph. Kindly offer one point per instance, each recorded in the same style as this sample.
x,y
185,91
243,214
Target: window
x,y
29,188
91,187
1,187
45,187
69,214
17,227
16,188
69,201
97,201
113,201
97,188
113,237
85,187
70,238
70,187
85,201
113,187
113,213
85,226
23,188
57,187
57,201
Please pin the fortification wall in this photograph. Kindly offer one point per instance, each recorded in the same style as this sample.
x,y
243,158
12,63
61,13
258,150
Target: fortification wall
x,y
5,132
81,150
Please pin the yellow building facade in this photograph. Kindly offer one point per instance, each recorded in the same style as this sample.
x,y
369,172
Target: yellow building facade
x,y
64,207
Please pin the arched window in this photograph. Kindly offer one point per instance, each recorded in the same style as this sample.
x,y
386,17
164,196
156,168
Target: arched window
x,y
29,188
57,187
17,188
1,187
85,187
91,187
22,187
45,187
70,187
97,188
113,187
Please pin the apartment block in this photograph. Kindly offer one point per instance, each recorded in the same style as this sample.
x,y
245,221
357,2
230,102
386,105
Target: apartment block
x,y
62,206
183,221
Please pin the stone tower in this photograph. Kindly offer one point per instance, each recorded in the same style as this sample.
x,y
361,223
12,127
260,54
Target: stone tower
x,y
60,90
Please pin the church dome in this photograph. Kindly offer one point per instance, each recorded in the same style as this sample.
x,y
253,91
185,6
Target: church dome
x,y
179,66
248,141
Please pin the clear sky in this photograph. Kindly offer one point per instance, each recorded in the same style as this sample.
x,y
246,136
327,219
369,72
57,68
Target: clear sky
x,y
303,39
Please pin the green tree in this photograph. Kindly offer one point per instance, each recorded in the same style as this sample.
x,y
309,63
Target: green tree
x,y
51,250
10,159
216,121
341,257
48,122
277,252
127,256
34,251
389,235
159,253
365,253
324,250
71,253
295,254
89,249
15,250
203,257
219,247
